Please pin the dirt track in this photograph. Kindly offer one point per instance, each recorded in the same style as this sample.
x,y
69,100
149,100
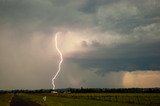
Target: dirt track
x,y
19,101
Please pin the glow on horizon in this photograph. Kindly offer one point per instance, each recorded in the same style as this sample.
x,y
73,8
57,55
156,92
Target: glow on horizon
x,y
61,59
142,79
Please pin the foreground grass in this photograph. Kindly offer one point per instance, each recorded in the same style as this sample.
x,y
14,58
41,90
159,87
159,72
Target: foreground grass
x,y
5,99
132,98
54,100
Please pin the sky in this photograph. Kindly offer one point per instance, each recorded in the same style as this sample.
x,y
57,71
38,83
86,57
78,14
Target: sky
x,y
105,43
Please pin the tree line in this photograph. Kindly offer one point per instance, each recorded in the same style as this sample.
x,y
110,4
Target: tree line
x,y
87,90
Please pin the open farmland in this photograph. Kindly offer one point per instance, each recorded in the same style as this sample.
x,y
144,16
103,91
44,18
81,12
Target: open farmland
x,y
80,99
95,99
132,98
5,99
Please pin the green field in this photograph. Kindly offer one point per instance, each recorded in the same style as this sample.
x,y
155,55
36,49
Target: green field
x,y
5,99
95,99
88,99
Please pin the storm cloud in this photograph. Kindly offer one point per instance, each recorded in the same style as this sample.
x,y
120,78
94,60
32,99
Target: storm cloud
x,y
100,38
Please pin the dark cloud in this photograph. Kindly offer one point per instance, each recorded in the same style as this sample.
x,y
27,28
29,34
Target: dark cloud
x,y
103,66
124,36
115,15
91,6
130,57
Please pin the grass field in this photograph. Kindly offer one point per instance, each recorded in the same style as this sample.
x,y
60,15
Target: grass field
x,y
132,98
88,99
5,99
69,101
95,99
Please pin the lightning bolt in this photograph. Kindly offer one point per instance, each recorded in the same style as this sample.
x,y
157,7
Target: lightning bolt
x,y
61,59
